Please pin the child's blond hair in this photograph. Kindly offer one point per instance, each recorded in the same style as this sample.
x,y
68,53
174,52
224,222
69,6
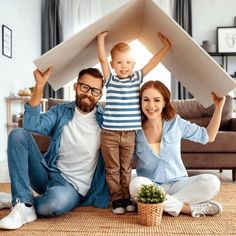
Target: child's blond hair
x,y
120,47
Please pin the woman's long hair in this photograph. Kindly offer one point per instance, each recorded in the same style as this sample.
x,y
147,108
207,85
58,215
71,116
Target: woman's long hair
x,y
168,111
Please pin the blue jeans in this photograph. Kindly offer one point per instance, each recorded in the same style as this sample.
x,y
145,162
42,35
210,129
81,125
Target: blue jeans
x,y
56,196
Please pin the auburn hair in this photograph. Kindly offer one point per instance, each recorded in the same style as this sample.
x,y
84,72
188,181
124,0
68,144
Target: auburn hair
x,y
168,111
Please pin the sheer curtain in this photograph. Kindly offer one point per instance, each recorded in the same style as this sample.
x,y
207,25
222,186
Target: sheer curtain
x,y
77,14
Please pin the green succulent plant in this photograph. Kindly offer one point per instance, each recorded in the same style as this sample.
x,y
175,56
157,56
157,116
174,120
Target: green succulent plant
x,y
151,194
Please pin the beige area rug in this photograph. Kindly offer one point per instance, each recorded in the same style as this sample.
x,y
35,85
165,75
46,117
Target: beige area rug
x,y
91,221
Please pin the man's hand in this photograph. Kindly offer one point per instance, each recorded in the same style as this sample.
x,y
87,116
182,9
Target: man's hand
x,y
219,102
164,40
42,78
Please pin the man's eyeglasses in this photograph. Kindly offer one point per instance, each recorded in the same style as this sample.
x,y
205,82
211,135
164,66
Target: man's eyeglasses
x,y
85,88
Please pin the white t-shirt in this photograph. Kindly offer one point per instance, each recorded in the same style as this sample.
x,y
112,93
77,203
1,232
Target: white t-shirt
x,y
79,150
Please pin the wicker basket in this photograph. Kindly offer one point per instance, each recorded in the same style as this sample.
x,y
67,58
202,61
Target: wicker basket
x,y
150,214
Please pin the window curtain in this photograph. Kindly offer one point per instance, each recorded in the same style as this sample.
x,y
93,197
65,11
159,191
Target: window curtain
x,y
182,14
77,14
51,36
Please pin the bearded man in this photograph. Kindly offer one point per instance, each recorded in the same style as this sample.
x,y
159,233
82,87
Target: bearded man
x,y
71,173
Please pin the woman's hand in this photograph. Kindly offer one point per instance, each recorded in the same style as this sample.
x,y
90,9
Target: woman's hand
x,y
214,124
219,102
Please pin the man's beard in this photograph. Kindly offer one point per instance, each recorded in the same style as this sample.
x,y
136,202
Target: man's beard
x,y
85,106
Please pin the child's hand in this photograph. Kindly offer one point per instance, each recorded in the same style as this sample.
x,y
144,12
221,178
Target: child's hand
x,y
219,102
164,40
102,35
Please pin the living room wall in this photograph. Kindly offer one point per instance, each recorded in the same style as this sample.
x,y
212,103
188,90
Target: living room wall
x,y
207,16
24,19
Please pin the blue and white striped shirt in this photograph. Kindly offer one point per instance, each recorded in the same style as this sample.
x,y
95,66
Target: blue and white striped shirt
x,y
122,103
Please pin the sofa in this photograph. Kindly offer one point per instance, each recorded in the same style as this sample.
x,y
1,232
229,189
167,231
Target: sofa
x,y
220,154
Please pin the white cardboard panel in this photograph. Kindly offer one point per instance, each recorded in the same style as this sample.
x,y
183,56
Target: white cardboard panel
x,y
79,51
140,19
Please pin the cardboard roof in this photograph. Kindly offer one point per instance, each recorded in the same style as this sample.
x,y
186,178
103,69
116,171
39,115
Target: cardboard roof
x,y
140,19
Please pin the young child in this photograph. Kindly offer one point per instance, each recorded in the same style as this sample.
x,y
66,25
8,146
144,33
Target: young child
x,y
122,116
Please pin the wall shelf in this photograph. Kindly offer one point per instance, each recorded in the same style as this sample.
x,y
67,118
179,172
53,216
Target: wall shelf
x,y
19,101
224,57
221,54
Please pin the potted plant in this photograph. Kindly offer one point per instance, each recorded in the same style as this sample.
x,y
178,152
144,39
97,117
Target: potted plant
x,y
150,208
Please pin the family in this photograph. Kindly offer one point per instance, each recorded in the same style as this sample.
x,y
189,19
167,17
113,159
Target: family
x,y
89,158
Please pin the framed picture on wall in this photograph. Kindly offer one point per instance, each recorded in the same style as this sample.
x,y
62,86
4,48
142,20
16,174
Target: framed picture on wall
x,y
226,39
6,41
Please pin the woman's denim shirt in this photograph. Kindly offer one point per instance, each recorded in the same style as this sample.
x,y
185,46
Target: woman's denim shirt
x,y
51,123
166,167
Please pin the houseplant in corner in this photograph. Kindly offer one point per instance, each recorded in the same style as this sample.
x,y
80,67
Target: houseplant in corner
x,y
150,200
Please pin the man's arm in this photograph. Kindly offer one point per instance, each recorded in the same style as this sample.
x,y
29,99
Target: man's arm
x,y
214,124
35,121
158,56
41,79
102,54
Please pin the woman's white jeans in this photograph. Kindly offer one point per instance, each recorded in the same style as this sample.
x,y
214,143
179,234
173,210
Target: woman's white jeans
x,y
190,190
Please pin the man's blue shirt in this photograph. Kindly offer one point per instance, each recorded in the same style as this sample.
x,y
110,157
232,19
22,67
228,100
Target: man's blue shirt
x,y
51,123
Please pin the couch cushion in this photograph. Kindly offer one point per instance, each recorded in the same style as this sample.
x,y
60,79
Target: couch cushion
x,y
54,101
225,124
224,143
209,160
42,141
192,110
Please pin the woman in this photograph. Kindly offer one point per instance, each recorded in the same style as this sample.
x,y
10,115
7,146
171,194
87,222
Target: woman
x,y
158,154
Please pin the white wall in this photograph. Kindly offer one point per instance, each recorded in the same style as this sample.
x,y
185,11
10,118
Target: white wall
x,y
24,19
207,16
